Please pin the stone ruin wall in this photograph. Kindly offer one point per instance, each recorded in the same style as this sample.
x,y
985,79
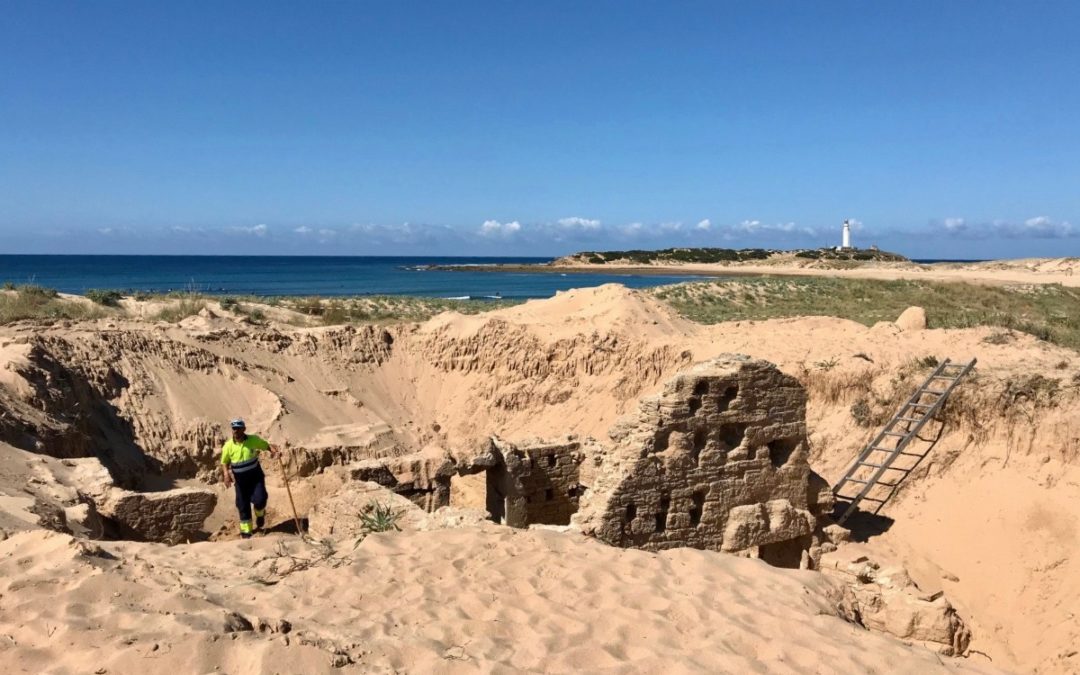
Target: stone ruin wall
x,y
717,461
537,483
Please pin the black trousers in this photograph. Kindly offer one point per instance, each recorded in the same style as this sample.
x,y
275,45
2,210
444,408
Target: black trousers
x,y
250,489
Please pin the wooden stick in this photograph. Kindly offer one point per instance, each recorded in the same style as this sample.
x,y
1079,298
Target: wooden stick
x,y
285,477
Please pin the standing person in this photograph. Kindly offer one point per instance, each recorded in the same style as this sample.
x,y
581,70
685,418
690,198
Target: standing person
x,y
240,465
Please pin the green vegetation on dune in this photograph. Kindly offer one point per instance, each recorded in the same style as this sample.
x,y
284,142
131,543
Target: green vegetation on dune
x,y
19,303
1050,311
682,255
386,308
723,255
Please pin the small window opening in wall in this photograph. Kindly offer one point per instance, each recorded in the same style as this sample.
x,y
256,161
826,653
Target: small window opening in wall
x,y
549,494
701,388
780,450
726,398
552,460
661,516
631,512
697,508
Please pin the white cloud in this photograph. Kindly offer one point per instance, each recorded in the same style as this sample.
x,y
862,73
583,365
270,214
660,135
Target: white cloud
x,y
118,231
575,222
1039,227
303,229
1044,228
704,225
492,228
754,226
955,225
259,230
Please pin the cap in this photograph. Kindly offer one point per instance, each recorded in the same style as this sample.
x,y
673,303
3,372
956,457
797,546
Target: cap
x,y
237,423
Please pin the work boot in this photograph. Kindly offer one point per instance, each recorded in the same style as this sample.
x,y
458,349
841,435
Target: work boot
x,y
260,521
245,535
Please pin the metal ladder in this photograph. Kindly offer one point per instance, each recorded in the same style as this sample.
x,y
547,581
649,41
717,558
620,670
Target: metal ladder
x,y
904,427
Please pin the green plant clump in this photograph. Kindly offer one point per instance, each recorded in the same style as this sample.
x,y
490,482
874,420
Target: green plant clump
x,y
33,303
105,297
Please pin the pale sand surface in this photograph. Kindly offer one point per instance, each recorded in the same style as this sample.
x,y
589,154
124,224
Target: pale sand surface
x,y
992,518
430,602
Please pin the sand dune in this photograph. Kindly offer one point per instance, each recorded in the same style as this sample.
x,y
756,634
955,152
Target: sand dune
x,y
991,519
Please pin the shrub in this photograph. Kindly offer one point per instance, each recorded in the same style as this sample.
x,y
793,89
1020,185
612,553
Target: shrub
x,y
860,410
35,291
103,297
378,517
998,337
181,310
311,306
228,303
827,365
335,313
928,361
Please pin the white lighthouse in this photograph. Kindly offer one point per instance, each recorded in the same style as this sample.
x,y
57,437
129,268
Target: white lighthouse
x,y
847,235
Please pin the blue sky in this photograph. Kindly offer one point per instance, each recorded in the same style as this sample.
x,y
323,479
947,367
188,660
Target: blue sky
x,y
946,129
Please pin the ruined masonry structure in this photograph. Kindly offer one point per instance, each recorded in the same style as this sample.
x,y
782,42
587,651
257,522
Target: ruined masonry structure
x,y
717,461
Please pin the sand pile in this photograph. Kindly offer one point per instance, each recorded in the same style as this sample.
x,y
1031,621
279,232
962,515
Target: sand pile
x,y
991,518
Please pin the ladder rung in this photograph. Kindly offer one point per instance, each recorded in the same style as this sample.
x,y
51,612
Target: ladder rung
x,y
910,419
923,405
943,377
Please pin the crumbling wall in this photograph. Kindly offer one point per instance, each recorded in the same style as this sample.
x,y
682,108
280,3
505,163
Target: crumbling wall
x,y
536,483
716,461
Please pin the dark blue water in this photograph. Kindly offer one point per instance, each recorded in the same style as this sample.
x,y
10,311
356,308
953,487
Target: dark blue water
x,y
287,275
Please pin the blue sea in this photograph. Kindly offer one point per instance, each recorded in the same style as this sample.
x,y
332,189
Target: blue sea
x,y
294,275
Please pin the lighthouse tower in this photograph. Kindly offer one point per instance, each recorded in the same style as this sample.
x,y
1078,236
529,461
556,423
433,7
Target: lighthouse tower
x,y
847,235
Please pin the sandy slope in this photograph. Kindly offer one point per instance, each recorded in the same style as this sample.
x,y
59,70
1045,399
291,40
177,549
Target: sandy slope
x,y
991,519
427,602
